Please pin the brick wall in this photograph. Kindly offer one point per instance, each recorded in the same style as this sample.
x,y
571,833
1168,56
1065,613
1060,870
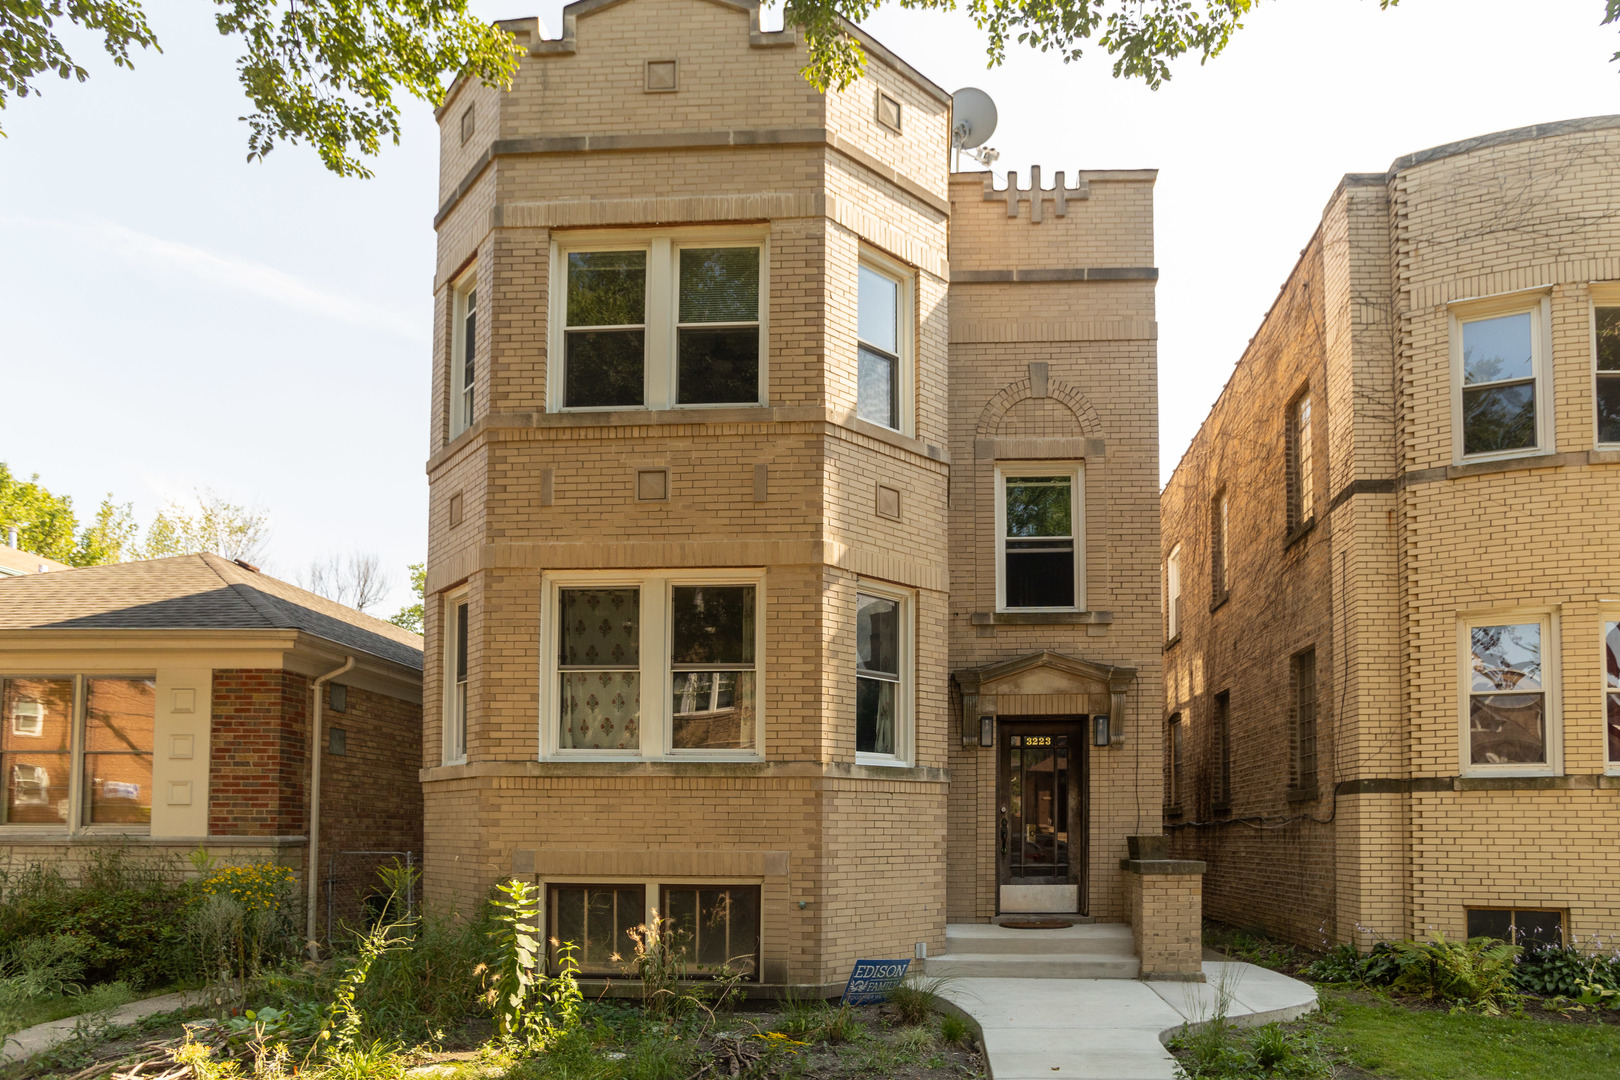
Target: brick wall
x,y
258,776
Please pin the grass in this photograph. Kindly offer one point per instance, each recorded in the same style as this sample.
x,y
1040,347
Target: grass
x,y
1398,1042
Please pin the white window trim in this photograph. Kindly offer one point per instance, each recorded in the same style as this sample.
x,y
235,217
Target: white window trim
x,y
453,711
656,650
1076,471
1538,303
1550,681
455,388
905,376
1607,613
662,309
1599,294
905,735
1172,594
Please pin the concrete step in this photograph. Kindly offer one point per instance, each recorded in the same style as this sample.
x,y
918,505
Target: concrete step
x,y
1033,966
1095,939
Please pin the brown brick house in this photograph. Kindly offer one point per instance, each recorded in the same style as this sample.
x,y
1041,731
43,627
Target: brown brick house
x,y
792,532
1390,673
168,705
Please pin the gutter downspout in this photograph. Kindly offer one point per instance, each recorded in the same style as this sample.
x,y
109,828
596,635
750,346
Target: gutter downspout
x,y
315,812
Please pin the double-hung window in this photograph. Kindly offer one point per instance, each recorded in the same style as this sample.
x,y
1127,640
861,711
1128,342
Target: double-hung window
x,y
660,320
1499,363
1606,358
463,353
455,664
1302,686
1217,550
1040,554
882,675
77,751
654,665
1506,715
880,375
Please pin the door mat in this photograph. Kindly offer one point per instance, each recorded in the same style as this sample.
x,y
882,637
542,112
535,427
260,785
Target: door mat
x,y
1038,924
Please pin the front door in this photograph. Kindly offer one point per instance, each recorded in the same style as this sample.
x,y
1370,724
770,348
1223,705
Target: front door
x,y
1041,814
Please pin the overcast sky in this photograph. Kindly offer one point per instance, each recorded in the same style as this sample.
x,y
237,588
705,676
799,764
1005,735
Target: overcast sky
x,y
174,318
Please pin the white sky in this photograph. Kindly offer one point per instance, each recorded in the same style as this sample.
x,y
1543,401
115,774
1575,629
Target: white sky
x,y
174,318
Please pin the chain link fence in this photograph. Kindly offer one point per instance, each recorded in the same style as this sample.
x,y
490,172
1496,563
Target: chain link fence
x,y
356,896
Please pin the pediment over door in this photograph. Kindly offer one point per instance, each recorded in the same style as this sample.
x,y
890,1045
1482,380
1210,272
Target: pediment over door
x,y
1042,683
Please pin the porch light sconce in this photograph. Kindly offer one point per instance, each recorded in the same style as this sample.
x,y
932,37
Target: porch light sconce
x,y
1099,730
987,730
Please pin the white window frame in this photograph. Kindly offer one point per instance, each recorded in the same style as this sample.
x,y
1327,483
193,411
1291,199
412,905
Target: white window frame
x,y
905,375
656,659
1604,294
905,725
1076,472
1172,594
1607,613
453,733
661,311
461,399
1550,681
1538,304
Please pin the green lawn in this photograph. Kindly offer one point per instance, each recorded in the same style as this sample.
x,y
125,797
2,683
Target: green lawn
x,y
1397,1042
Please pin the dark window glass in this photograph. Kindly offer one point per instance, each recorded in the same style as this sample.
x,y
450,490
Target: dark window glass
x,y
717,352
1499,392
1304,681
596,920
1222,781
1608,378
1536,929
1611,683
716,929
605,361
718,365
1174,799
1499,418
469,353
1491,923
877,673
712,650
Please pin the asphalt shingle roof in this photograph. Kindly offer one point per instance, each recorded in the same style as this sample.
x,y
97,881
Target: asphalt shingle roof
x,y
193,592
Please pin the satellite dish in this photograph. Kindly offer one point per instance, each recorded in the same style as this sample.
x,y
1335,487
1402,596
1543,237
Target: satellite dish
x,y
973,118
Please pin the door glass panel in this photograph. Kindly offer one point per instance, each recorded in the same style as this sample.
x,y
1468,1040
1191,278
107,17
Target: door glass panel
x,y
1036,829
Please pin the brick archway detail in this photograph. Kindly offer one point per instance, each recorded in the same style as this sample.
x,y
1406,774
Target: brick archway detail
x,y
1085,417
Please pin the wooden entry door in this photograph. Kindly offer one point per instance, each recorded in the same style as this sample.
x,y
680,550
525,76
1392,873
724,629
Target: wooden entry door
x,y
1041,804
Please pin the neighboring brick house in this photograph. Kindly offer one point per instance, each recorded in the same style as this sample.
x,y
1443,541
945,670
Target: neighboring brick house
x,y
167,705
1392,698
735,389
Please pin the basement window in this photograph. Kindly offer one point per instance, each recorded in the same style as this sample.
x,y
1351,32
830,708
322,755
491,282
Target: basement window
x,y
595,921
1529,928
716,928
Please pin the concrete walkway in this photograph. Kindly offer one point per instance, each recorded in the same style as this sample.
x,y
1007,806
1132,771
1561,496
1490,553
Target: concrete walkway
x,y
41,1037
1112,1029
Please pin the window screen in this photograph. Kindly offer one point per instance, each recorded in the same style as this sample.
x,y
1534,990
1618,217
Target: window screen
x,y
1039,544
718,329
596,920
716,929
606,336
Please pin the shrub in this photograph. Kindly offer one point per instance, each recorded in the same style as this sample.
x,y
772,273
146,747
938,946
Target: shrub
x,y
128,913
1476,972
916,1000
1552,971
1341,964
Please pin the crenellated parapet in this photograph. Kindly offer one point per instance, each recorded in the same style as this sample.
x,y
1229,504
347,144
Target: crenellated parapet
x,y
1059,194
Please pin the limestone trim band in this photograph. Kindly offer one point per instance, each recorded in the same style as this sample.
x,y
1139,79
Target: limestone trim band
x,y
1382,785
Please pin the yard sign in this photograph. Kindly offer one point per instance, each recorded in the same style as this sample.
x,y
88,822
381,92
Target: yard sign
x,y
871,981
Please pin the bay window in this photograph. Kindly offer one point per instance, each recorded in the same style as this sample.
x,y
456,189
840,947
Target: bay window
x,y
76,751
649,665
660,320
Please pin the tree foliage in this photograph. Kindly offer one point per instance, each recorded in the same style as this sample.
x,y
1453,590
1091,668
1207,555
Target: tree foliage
x,y
410,616
47,525
321,72
212,524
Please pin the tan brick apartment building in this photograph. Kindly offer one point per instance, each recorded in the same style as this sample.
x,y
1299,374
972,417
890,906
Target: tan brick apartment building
x,y
789,494
1392,699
